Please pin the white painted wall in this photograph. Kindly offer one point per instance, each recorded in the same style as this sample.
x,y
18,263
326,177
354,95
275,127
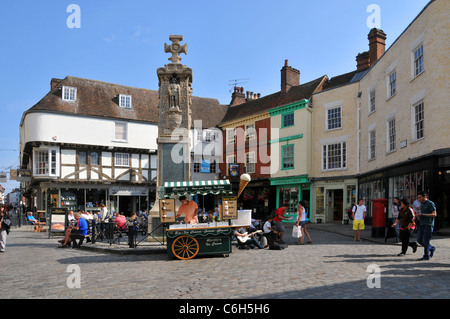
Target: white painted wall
x,y
61,128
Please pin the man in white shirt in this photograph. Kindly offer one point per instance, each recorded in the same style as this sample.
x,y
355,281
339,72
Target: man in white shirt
x,y
359,212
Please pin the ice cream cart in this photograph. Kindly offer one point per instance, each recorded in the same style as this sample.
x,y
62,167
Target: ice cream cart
x,y
186,241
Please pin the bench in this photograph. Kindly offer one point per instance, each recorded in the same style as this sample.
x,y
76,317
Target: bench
x,y
80,239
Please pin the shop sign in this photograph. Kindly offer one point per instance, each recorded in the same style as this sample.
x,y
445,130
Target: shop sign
x,y
58,220
205,166
128,191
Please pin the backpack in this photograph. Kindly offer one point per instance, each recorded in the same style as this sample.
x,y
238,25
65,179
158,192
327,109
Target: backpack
x,y
350,213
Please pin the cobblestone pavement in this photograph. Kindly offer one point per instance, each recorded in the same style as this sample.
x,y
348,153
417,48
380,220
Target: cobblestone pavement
x,y
333,266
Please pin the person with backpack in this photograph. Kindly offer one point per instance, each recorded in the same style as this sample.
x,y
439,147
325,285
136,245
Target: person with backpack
x,y
350,211
405,219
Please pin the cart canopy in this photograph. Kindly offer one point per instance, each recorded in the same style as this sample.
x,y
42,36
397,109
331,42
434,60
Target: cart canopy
x,y
215,187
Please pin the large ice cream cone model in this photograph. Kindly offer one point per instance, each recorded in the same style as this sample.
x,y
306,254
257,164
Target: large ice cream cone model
x,y
245,179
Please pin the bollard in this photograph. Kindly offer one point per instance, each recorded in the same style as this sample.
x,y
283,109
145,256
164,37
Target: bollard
x,y
131,235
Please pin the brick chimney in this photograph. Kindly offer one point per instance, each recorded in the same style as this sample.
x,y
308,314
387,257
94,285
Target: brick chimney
x,y
289,77
238,96
363,60
54,82
377,44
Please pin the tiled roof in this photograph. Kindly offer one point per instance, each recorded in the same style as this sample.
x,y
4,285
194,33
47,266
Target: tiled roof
x,y
253,107
100,99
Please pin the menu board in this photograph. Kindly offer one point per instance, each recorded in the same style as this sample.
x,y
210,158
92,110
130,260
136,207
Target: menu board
x,y
229,208
58,218
167,210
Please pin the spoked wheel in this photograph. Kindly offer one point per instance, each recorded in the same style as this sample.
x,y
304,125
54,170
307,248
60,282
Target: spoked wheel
x,y
185,247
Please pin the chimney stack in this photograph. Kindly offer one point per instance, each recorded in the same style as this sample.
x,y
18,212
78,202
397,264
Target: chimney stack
x,y
377,46
54,82
363,60
289,77
238,96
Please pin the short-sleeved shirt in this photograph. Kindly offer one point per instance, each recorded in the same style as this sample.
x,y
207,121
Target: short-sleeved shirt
x,y
189,210
427,208
82,226
359,212
280,212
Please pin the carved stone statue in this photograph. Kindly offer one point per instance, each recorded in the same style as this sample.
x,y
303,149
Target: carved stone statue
x,y
174,93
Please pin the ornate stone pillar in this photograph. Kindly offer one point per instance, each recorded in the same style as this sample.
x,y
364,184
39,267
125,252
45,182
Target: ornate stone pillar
x,y
175,99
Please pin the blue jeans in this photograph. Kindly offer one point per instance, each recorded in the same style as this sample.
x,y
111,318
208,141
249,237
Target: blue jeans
x,y
423,238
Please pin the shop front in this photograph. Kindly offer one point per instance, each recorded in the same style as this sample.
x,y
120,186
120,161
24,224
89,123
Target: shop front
x,y
430,174
88,197
331,199
291,190
260,197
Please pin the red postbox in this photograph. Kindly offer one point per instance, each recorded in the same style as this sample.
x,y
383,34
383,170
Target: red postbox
x,y
379,217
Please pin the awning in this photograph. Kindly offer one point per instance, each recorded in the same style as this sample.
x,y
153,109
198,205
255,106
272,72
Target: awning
x,y
215,187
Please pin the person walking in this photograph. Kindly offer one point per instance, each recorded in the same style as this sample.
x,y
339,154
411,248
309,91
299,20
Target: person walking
x,y
5,224
359,214
395,210
405,221
302,221
427,216
278,221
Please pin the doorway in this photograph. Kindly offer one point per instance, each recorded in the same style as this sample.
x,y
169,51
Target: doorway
x,y
335,205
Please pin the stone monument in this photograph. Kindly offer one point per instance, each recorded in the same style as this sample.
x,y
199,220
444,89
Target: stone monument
x,y
174,124
175,98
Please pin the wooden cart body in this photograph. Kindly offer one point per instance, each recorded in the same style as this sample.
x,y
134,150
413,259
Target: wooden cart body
x,y
188,243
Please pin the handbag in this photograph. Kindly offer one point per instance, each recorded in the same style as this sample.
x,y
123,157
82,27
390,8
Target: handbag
x,y
296,232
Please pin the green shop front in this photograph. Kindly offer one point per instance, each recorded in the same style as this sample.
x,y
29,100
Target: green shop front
x,y
291,190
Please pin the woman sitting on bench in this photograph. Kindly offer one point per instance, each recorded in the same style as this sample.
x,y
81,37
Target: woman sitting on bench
x,y
75,232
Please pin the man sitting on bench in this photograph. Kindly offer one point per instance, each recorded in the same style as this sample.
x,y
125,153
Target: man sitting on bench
x,y
38,226
79,231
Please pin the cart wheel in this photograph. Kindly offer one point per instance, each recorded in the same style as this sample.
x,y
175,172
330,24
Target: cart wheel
x,y
185,247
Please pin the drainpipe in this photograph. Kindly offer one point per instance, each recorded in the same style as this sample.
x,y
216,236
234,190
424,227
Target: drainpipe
x,y
358,132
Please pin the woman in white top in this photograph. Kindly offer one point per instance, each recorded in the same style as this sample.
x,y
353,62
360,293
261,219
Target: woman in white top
x,y
301,221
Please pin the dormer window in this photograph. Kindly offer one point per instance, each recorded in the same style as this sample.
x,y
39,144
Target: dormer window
x,y
125,101
69,93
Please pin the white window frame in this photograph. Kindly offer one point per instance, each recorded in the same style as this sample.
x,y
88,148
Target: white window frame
x,y
392,84
250,161
413,47
415,61
338,118
416,120
289,160
69,93
122,159
327,155
372,143
372,101
250,132
330,106
231,136
125,125
50,166
125,101
391,135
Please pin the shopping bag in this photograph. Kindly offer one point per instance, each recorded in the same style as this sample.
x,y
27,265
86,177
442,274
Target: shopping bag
x,y
296,232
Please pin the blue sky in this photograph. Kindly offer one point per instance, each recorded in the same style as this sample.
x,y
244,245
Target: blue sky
x,y
123,42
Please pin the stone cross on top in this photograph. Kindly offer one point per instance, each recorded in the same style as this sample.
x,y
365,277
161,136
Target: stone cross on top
x,y
175,48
